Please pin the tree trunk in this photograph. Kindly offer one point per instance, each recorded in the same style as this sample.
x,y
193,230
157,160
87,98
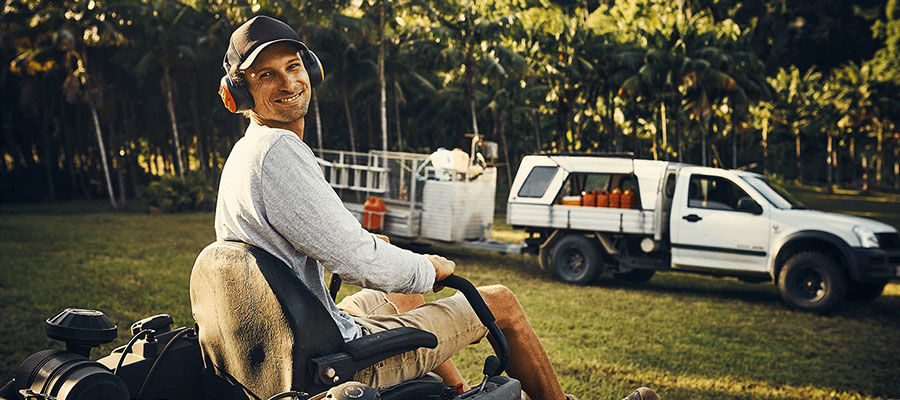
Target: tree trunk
x,y
734,148
664,123
879,154
397,123
350,130
470,88
170,104
315,100
48,161
654,146
703,143
109,189
116,161
828,155
864,162
198,133
382,85
765,146
799,179
501,131
897,165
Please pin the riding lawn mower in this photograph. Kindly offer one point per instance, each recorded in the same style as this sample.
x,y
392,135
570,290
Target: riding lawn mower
x,y
259,333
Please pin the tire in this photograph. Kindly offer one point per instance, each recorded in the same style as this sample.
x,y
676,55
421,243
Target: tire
x,y
635,275
865,292
575,259
812,281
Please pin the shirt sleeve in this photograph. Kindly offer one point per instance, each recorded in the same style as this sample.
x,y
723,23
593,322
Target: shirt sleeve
x,y
303,208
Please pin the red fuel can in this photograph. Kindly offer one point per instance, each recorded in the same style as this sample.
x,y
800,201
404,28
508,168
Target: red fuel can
x,y
373,214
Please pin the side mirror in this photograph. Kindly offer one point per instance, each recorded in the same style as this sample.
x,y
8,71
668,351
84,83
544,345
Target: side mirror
x,y
746,204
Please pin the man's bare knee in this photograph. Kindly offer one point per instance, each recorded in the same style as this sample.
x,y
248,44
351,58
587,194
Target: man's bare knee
x,y
406,302
503,304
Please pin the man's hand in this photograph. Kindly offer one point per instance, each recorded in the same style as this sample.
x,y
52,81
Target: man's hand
x,y
442,268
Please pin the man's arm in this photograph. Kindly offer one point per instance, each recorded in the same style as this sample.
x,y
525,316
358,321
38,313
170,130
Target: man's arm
x,y
301,206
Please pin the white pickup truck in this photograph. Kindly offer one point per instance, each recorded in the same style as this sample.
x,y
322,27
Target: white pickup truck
x,y
680,217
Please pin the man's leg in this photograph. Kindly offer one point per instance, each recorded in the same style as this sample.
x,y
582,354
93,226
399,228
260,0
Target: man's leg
x,y
529,362
447,371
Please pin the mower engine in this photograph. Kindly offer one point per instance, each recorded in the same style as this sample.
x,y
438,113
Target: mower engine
x,y
157,363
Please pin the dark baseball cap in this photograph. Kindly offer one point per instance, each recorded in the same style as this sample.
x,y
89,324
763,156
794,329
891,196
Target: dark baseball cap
x,y
249,39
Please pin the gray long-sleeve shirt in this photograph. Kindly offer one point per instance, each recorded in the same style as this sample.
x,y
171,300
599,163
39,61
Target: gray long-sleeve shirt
x,y
273,195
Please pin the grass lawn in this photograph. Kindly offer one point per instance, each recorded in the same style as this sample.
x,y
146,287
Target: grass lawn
x,y
690,337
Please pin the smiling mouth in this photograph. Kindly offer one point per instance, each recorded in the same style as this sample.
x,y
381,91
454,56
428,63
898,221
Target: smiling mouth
x,y
289,99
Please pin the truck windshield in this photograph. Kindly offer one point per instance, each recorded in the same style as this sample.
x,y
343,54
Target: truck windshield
x,y
774,193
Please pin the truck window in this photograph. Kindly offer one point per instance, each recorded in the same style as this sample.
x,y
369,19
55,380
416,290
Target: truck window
x,y
578,182
596,182
714,193
670,185
537,181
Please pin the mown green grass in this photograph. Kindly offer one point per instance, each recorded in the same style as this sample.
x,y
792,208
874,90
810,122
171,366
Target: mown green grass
x,y
690,337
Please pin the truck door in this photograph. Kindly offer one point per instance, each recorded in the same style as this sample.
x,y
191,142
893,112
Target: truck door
x,y
664,202
708,231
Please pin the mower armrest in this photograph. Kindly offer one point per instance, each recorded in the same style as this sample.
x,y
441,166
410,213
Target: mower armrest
x,y
337,368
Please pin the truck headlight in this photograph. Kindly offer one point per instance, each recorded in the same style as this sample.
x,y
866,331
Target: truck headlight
x,y
866,237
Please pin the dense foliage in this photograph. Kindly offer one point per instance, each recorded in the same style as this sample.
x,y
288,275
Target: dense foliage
x,y
102,97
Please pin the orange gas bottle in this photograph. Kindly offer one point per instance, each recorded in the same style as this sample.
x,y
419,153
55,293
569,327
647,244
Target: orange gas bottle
x,y
373,214
615,198
627,200
588,199
602,198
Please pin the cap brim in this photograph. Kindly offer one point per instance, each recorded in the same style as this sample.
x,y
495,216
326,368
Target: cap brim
x,y
252,57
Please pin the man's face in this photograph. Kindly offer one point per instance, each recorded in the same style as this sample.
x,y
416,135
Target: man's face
x,y
279,85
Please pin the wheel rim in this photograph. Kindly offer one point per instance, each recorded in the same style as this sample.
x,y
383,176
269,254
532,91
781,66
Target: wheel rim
x,y
810,285
574,262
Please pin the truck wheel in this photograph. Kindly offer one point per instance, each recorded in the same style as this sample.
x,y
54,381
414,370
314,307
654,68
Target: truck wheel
x,y
635,275
865,292
812,281
575,260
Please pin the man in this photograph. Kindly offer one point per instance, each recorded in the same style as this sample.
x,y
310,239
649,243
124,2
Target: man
x,y
273,195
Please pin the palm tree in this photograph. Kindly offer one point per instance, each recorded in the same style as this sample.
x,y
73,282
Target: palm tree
x,y
76,38
469,30
169,30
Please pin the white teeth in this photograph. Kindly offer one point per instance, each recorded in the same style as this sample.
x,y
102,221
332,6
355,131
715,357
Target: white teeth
x,y
289,99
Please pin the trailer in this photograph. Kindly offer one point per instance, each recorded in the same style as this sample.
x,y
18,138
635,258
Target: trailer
x,y
445,197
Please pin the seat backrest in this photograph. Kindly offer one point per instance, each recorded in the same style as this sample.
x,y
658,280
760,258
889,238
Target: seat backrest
x,y
259,325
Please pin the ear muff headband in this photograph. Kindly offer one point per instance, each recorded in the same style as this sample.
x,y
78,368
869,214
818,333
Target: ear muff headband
x,y
237,98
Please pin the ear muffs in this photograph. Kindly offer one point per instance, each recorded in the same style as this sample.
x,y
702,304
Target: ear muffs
x,y
236,98
313,68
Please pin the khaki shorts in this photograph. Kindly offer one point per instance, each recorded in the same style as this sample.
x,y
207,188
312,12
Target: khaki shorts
x,y
451,319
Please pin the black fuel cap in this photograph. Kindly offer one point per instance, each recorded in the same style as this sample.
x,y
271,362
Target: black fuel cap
x,y
81,329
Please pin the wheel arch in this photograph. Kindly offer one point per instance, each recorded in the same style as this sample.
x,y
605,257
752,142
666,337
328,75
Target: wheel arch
x,y
812,240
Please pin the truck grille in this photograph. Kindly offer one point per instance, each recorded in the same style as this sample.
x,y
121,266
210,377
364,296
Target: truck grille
x,y
889,240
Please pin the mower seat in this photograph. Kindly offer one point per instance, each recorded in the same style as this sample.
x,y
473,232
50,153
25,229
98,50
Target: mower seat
x,y
262,332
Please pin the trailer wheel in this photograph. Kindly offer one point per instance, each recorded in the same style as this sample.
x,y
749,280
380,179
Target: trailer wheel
x,y
865,292
575,260
812,281
635,275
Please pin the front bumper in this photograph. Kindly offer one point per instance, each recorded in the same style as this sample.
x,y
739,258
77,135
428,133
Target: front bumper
x,y
874,265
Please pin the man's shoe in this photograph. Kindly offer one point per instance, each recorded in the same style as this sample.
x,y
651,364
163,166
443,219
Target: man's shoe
x,y
643,393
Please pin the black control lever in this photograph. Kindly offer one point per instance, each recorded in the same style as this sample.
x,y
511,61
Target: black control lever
x,y
492,365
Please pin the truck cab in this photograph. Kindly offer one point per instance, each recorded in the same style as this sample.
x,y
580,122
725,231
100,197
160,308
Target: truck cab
x,y
700,220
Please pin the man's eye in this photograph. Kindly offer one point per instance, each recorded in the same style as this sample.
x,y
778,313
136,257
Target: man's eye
x,y
265,74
